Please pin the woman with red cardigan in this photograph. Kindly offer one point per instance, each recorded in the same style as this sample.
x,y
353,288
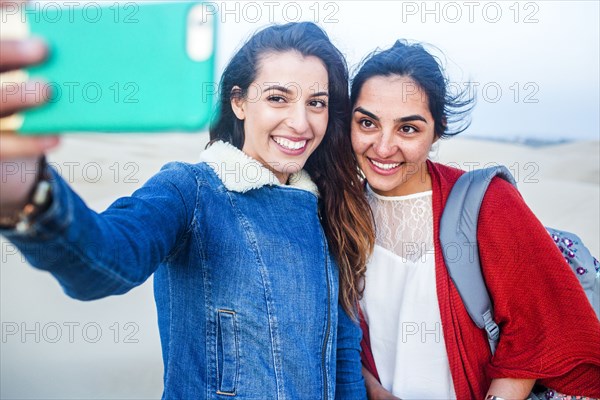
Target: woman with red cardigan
x,y
419,341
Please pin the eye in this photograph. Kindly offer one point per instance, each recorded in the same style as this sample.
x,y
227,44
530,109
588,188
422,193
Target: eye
x,y
276,99
318,103
366,123
408,129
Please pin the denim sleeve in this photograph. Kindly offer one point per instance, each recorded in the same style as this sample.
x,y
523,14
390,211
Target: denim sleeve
x,y
349,380
96,255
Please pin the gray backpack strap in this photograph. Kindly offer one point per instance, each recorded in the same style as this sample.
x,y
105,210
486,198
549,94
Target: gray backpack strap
x,y
458,237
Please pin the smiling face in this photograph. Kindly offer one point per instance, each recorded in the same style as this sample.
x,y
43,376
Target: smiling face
x,y
392,133
285,111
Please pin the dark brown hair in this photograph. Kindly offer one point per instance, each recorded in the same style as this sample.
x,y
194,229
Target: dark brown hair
x,y
413,61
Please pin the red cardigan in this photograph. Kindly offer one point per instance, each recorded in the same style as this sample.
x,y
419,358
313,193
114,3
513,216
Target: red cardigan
x,y
548,329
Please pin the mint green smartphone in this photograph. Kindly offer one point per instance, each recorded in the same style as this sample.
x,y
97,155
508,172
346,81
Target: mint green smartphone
x,y
124,67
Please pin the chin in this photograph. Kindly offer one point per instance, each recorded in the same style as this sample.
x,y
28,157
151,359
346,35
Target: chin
x,y
292,169
286,167
382,185
291,166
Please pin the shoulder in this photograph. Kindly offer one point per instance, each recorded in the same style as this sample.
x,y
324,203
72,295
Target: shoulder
x,y
503,194
443,177
191,181
178,173
183,172
504,209
444,171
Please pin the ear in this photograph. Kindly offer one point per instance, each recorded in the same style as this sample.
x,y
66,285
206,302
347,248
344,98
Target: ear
x,y
445,125
238,103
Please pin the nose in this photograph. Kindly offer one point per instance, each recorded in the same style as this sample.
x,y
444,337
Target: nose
x,y
385,145
298,118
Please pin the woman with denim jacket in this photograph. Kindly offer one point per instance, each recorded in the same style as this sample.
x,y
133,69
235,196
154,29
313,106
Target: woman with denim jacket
x,y
249,247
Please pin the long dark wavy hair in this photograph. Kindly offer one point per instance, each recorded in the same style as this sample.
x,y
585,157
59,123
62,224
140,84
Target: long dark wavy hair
x,y
413,61
347,219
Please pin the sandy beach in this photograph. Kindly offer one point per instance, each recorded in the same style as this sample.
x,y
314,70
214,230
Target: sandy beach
x,y
55,347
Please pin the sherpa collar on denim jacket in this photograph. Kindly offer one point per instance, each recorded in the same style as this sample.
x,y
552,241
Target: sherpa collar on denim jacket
x,y
241,173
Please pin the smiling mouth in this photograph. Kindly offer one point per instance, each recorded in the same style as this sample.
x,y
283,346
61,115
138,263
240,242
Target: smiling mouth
x,y
385,166
294,146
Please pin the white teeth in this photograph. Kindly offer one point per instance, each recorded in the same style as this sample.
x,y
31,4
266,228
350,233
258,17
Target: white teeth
x,y
385,166
288,144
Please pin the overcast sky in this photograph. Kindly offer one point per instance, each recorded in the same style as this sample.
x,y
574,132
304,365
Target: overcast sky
x,y
535,65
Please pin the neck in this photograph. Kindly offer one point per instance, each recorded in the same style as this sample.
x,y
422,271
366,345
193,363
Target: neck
x,y
281,177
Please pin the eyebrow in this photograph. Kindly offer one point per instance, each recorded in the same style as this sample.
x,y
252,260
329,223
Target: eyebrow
x,y
277,87
415,117
367,113
288,91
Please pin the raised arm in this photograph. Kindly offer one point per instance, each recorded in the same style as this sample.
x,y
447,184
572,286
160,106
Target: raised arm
x,y
95,255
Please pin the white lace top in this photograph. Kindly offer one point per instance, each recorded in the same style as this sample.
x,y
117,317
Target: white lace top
x,y
400,300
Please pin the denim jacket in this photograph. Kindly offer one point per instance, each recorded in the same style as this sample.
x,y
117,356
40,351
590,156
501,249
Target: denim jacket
x,y
245,287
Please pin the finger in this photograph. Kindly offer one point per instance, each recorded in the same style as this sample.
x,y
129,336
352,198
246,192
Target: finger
x,y
9,3
11,7
16,54
17,96
13,146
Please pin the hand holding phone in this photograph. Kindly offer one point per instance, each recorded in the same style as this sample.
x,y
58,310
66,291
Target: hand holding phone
x,y
14,54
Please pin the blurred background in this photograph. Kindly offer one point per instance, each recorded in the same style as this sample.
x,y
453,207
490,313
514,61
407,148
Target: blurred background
x,y
533,66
